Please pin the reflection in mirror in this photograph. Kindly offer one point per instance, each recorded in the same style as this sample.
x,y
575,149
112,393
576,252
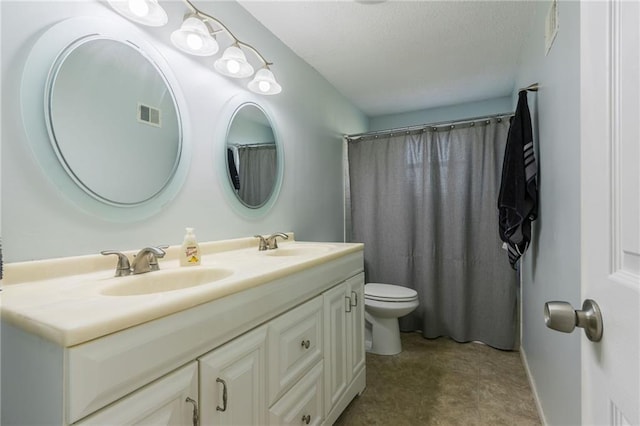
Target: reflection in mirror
x,y
252,158
113,121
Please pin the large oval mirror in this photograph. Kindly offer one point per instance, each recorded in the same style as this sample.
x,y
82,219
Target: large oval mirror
x,y
110,135
252,155
108,102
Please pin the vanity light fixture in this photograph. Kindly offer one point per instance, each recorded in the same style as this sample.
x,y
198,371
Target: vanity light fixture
x,y
265,83
146,12
196,37
233,63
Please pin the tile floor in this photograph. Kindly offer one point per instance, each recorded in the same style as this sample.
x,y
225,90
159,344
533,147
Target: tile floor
x,y
441,382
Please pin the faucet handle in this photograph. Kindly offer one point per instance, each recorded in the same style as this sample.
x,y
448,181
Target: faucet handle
x,y
123,267
262,245
153,257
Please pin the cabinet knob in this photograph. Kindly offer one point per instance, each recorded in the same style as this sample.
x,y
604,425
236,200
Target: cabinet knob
x,y
355,297
305,344
306,419
224,395
196,416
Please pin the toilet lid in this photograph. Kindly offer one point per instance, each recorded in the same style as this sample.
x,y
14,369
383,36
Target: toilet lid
x,y
382,292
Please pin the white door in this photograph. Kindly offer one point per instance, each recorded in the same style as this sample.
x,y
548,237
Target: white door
x,y
610,160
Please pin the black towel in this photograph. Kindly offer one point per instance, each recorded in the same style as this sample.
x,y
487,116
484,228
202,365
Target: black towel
x,y
233,171
518,198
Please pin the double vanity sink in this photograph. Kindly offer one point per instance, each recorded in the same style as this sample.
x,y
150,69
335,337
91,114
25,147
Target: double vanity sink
x,y
98,345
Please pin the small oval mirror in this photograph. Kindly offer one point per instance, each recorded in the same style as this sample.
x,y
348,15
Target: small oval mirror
x,y
252,155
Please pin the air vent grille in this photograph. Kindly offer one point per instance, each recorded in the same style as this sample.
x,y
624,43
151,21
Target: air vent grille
x,y
149,115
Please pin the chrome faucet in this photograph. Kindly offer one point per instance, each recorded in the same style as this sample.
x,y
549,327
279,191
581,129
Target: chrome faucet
x,y
270,242
145,261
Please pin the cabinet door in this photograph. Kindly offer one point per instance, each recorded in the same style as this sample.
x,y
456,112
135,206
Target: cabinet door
x,y
232,382
336,304
163,402
355,326
294,346
302,405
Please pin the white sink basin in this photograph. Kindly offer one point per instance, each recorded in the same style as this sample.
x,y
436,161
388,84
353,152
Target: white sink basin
x,y
163,281
299,250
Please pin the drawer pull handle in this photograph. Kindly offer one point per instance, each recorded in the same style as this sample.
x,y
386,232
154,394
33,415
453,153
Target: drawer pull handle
x,y
305,344
355,296
196,417
306,419
224,395
348,299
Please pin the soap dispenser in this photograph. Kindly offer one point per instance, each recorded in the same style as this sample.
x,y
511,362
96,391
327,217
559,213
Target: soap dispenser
x,y
190,252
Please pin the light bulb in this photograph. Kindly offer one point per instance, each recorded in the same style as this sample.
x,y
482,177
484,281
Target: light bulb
x,y
233,66
139,7
264,86
194,41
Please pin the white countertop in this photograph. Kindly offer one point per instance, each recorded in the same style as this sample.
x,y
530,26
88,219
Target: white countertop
x,y
44,298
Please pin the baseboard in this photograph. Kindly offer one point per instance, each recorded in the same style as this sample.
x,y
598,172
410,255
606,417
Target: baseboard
x,y
532,384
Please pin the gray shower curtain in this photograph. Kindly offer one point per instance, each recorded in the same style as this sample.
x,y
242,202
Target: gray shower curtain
x,y
424,205
257,172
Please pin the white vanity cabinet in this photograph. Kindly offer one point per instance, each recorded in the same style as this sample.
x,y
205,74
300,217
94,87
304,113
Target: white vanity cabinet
x,y
344,345
232,382
289,350
170,400
295,346
303,403
355,327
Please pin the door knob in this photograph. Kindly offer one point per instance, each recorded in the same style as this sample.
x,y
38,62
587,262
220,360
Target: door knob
x,y
561,316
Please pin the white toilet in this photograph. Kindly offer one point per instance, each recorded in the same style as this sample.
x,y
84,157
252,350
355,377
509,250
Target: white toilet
x,y
384,304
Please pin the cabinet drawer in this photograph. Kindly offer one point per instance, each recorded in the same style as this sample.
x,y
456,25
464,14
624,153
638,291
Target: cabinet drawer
x,y
163,402
294,346
302,405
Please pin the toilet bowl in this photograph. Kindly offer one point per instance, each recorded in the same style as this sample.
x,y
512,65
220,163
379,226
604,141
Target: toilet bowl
x,y
384,304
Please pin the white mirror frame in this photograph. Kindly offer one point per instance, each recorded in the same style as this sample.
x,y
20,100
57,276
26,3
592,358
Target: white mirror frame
x,y
32,97
220,155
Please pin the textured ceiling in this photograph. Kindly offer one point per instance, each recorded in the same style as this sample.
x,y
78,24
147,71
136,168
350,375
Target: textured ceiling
x,y
397,56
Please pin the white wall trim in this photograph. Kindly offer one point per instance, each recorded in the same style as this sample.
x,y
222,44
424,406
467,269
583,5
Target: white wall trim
x,y
532,384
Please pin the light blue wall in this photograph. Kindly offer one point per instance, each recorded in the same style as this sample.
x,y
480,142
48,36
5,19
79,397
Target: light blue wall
x,y
551,268
311,117
444,113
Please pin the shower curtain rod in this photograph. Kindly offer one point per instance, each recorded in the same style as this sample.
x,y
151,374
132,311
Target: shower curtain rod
x,y
408,129
530,88
252,145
